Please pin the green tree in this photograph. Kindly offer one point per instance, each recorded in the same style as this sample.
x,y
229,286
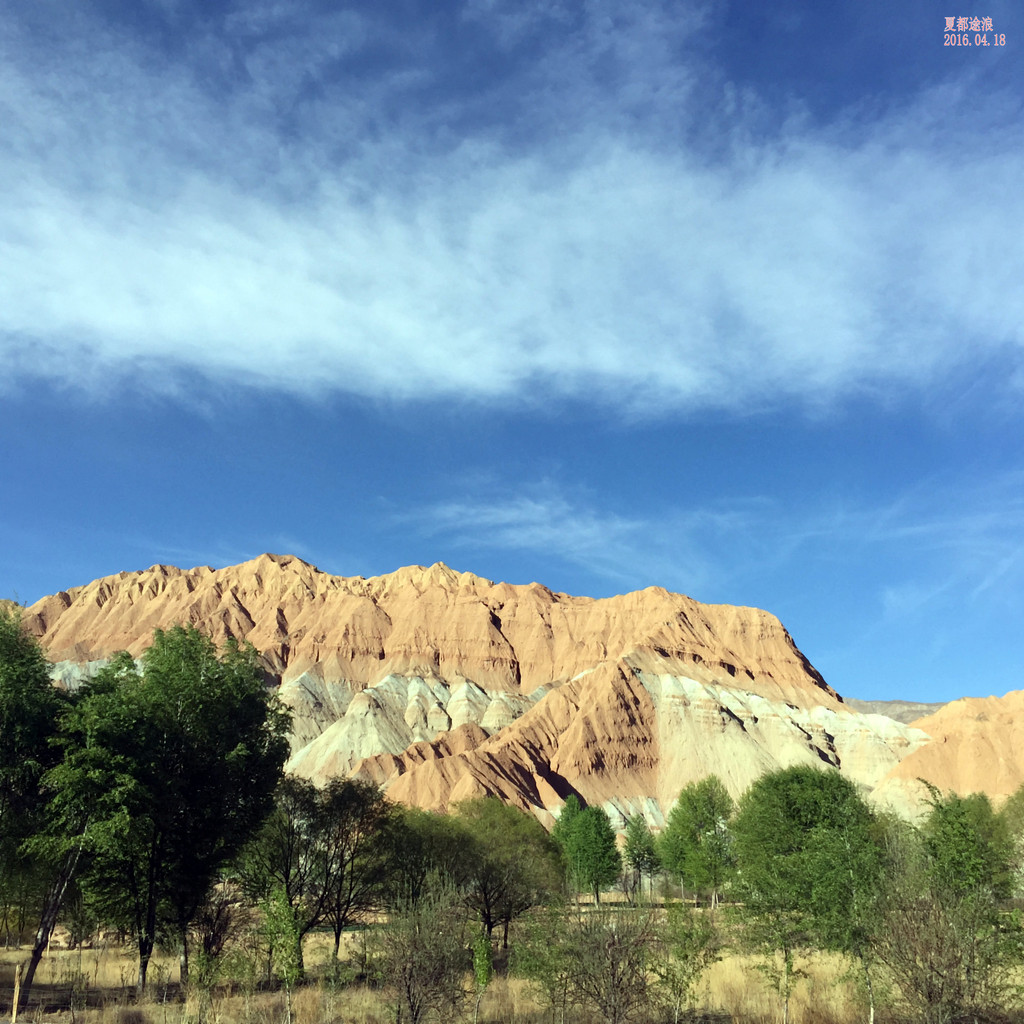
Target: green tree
x,y
639,851
610,961
696,844
219,925
542,954
422,847
483,970
172,768
588,846
807,864
356,819
287,859
511,863
943,934
30,707
1012,816
281,934
969,847
571,810
845,865
33,876
596,959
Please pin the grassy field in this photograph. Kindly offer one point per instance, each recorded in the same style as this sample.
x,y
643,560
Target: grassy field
x,y
97,986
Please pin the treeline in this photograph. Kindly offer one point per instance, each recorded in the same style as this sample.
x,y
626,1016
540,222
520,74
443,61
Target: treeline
x,y
928,914
153,801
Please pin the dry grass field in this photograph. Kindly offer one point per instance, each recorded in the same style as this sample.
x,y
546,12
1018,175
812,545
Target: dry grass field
x,y
97,986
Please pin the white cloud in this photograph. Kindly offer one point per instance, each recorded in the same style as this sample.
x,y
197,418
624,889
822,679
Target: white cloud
x,y
691,550
606,545
151,226
935,545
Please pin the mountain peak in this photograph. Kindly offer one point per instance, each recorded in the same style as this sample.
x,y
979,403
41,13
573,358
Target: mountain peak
x,y
440,684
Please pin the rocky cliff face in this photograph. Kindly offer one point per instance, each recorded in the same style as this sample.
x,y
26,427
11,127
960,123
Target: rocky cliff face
x,y
442,685
629,738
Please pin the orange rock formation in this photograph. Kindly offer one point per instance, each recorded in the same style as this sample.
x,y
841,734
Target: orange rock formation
x,y
977,746
442,685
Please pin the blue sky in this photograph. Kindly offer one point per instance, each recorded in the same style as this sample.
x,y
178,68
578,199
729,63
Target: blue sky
x,y
603,295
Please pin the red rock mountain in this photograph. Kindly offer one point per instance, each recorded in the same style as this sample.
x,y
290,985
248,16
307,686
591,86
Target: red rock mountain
x,y
442,685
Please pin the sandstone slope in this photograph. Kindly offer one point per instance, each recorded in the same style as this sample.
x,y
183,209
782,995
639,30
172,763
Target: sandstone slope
x,y
976,746
630,739
442,685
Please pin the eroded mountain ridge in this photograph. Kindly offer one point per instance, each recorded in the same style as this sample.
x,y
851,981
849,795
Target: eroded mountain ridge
x,y
443,685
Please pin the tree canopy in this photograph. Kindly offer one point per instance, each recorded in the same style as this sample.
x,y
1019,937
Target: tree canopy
x,y
587,840
696,844
969,847
943,930
166,772
30,708
511,863
423,846
323,852
808,863
639,850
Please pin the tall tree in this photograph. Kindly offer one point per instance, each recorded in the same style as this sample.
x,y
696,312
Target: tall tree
x,y
284,944
28,719
807,861
599,960
30,710
324,852
610,957
845,866
696,844
173,768
588,846
1012,816
424,849
512,864
285,861
571,809
356,820
686,944
969,847
639,851
542,954
422,954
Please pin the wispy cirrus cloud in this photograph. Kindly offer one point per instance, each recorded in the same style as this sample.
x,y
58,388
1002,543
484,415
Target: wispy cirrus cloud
x,y
936,544
696,550
607,545
260,215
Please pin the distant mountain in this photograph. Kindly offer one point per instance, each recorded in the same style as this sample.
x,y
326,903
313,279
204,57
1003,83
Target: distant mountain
x,y
905,711
442,685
